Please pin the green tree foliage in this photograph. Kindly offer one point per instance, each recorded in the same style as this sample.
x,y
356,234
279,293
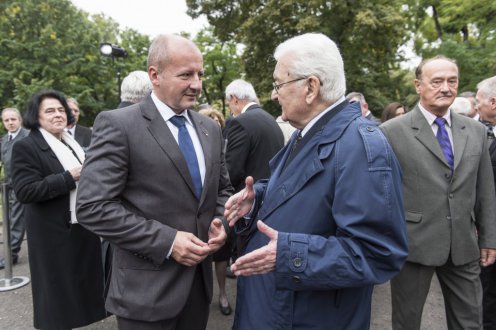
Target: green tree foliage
x,y
368,33
462,30
222,65
52,44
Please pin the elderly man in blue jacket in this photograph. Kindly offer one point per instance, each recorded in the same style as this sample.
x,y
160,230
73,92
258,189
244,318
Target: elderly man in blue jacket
x,y
329,222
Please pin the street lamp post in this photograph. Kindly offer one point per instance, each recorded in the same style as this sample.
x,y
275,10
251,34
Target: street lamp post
x,y
113,51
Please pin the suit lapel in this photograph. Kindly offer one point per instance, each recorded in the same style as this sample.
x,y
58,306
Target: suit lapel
x,y
426,136
287,181
460,138
161,133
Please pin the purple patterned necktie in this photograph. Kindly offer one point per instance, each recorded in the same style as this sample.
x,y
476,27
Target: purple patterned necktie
x,y
444,141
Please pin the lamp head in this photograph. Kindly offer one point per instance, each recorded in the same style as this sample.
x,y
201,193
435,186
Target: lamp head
x,y
108,49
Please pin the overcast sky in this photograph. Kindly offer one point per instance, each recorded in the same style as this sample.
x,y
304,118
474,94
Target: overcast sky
x,y
151,17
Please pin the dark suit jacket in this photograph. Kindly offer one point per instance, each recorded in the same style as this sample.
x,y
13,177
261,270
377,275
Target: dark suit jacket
x,y
492,154
83,136
136,192
373,118
448,214
6,154
253,138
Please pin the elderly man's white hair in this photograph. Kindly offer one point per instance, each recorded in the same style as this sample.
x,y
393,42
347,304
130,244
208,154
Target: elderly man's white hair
x,y
487,88
461,105
242,90
135,87
315,54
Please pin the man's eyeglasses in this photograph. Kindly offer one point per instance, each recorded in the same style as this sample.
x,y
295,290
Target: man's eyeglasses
x,y
277,87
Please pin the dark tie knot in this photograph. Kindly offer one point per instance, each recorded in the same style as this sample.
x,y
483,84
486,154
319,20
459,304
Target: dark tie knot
x,y
440,121
178,121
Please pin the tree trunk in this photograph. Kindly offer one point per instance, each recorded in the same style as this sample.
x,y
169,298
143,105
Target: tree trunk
x,y
436,22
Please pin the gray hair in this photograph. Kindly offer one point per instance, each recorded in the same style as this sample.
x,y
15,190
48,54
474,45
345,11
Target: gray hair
x,y
487,87
135,87
461,105
72,100
354,96
242,90
314,54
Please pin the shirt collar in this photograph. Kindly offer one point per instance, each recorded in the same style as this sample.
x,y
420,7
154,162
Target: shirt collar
x,y
15,133
247,106
166,112
430,117
316,118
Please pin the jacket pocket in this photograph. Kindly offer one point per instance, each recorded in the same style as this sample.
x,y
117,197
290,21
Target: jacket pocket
x,y
413,216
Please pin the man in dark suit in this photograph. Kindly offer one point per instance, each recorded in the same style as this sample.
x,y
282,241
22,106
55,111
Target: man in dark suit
x,y
153,184
486,108
364,106
253,137
449,201
330,215
80,133
12,121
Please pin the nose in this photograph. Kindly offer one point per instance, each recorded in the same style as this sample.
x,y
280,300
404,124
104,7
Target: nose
x,y
445,86
274,95
196,83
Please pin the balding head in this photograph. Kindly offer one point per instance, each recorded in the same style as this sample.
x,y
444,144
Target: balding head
x,y
175,68
164,45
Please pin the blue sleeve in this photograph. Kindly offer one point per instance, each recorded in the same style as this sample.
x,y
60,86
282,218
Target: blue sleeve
x,y
369,245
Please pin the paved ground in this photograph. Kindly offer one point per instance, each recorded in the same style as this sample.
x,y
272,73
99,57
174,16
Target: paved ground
x,y
16,307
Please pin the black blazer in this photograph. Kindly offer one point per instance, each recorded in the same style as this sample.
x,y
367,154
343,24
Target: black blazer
x,y
492,154
253,138
83,136
65,259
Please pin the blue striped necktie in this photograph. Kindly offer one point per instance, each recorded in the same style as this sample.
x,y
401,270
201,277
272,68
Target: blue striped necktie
x,y
444,141
188,150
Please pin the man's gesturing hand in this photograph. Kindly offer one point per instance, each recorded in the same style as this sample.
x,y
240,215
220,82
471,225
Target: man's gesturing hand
x,y
240,204
262,260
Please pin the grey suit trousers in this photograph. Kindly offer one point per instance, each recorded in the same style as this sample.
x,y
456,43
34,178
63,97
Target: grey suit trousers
x,y
17,224
462,292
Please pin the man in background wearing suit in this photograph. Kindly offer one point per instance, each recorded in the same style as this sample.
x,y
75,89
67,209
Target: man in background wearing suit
x,y
449,201
253,137
486,108
364,106
80,133
12,121
153,184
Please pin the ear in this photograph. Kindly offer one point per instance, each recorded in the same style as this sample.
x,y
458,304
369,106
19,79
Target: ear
x,y
313,89
492,101
153,74
417,85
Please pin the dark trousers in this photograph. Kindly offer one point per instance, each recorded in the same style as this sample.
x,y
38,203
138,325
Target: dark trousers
x,y
17,225
194,315
462,293
488,280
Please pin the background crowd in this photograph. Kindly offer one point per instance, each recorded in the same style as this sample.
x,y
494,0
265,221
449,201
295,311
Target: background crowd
x,y
127,217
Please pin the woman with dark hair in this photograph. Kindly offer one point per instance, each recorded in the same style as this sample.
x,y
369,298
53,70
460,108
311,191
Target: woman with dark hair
x,y
393,110
64,258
